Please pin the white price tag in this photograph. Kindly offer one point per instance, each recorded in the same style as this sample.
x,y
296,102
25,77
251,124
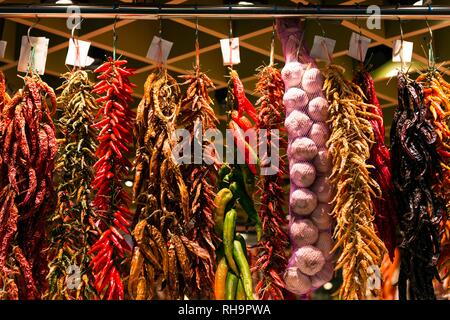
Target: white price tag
x,y
230,51
38,59
77,53
3,44
358,46
159,49
322,48
402,52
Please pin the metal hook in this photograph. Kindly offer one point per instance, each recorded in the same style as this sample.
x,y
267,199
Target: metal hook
x,y
196,24
431,61
321,27
272,43
401,30
30,28
114,38
197,45
430,31
76,27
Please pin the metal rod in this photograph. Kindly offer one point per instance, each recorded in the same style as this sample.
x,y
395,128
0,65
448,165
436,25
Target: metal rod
x,y
143,11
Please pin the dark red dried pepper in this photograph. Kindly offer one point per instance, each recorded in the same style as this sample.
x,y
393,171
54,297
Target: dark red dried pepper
x,y
26,169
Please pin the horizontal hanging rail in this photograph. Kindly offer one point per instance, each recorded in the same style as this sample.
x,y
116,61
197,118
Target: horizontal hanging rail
x,y
236,11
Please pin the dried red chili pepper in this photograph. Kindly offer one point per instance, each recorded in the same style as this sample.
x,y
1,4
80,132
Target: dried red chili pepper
x,y
244,105
112,166
27,173
271,250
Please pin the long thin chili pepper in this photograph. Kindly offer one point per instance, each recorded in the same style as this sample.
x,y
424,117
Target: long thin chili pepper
x,y
72,219
27,151
110,197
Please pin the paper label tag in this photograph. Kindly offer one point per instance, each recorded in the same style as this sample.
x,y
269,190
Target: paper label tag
x,y
402,52
77,53
3,44
322,48
159,49
233,51
39,58
358,46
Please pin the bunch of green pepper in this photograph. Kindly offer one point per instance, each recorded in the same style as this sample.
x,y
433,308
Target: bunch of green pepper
x,y
233,278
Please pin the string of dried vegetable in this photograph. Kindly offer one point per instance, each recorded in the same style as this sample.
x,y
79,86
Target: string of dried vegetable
x,y
111,202
28,150
437,100
162,257
349,147
390,269
233,278
272,259
415,162
384,206
197,116
4,97
73,220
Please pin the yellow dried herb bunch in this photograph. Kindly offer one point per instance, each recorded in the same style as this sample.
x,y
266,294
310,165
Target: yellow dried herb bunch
x,y
361,250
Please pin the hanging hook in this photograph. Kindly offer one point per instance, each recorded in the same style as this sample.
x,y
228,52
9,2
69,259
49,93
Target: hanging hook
x,y
272,43
321,27
75,40
401,43
30,28
197,45
160,35
430,46
114,38
76,27
230,34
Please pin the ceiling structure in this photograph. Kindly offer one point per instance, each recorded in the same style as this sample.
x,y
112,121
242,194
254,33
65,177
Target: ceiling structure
x,y
134,37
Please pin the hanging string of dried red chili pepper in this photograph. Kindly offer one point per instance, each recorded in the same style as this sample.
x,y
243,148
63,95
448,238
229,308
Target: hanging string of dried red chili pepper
x,y
28,150
272,259
111,201
73,219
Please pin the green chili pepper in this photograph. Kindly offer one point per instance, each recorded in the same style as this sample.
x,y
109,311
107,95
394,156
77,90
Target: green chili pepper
x,y
223,171
241,239
244,268
247,204
229,227
231,286
248,178
240,292
221,201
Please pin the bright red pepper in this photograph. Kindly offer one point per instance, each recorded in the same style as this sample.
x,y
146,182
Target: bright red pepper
x,y
243,103
250,156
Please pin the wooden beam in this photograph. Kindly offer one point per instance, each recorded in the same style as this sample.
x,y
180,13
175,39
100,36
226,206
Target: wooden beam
x,y
410,34
99,45
241,42
205,50
63,45
386,42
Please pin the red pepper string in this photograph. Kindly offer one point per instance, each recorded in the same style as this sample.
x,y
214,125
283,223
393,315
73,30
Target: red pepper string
x,y
271,250
111,200
27,150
